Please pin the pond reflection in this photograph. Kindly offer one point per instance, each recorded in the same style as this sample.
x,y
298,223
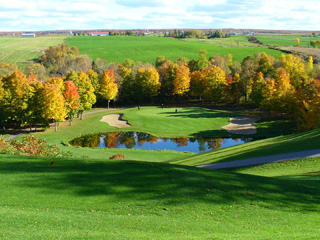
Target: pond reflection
x,y
140,140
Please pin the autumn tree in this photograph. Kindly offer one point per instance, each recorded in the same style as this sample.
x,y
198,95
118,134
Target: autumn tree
x,y
147,81
308,105
166,75
71,97
181,82
233,89
215,81
295,68
197,85
16,95
62,59
248,72
257,89
38,70
265,64
298,42
58,81
94,79
8,68
108,87
53,103
85,89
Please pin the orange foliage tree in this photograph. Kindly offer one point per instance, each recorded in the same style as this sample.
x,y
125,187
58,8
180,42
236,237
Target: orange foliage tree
x,y
85,89
71,97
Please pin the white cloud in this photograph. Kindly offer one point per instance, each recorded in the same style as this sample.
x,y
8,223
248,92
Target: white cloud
x,y
20,15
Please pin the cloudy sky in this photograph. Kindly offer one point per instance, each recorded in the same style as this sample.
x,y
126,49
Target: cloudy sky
x,y
22,15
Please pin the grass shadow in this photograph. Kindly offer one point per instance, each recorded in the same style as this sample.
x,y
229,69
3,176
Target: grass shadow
x,y
169,184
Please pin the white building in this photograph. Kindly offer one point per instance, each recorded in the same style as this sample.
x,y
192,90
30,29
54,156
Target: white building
x,y
28,35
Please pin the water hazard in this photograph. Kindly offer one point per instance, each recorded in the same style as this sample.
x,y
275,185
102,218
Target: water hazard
x,y
139,140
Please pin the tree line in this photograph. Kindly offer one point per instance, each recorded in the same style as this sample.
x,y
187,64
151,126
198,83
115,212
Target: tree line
x,y
63,83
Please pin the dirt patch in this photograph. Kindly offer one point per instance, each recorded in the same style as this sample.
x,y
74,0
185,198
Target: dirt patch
x,y
314,52
241,125
115,120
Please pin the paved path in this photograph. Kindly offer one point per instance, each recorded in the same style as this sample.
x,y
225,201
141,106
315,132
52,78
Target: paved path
x,y
13,136
263,160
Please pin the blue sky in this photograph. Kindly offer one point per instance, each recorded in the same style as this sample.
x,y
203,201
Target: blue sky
x,y
21,15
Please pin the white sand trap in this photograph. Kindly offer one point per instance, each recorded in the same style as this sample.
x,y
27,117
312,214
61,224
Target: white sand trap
x,y
115,120
241,125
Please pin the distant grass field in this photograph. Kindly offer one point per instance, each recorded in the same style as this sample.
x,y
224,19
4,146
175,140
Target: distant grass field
x,y
91,199
147,49
281,40
21,50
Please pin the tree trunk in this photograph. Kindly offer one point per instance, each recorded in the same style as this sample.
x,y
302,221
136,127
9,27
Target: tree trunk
x,y
56,126
70,121
108,103
81,115
30,127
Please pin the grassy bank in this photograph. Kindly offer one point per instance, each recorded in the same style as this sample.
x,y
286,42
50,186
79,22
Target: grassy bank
x,y
277,145
83,199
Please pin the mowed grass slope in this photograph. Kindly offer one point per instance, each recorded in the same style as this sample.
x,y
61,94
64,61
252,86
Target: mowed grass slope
x,y
147,49
21,50
277,145
91,199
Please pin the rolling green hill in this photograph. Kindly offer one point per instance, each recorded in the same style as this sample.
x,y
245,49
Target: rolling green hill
x,y
91,199
21,50
147,49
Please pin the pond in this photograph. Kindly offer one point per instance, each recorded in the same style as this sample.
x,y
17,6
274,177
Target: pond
x,y
139,140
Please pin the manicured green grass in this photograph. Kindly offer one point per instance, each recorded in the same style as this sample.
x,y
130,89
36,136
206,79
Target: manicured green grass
x,y
190,122
21,50
147,49
302,168
90,199
266,147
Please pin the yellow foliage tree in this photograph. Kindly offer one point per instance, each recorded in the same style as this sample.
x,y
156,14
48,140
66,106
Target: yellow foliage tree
x,y
85,89
108,87
181,81
147,79
53,103
295,68
215,81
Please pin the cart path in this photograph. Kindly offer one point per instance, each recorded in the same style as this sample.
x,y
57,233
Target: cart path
x,y
263,160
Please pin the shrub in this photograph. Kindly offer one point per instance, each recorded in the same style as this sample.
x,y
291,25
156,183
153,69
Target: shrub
x,y
30,145
117,156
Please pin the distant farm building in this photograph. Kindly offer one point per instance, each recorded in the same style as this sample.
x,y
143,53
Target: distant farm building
x,y
318,35
98,33
28,35
142,34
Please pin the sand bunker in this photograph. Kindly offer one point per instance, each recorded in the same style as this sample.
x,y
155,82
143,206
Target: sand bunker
x,y
115,120
241,125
